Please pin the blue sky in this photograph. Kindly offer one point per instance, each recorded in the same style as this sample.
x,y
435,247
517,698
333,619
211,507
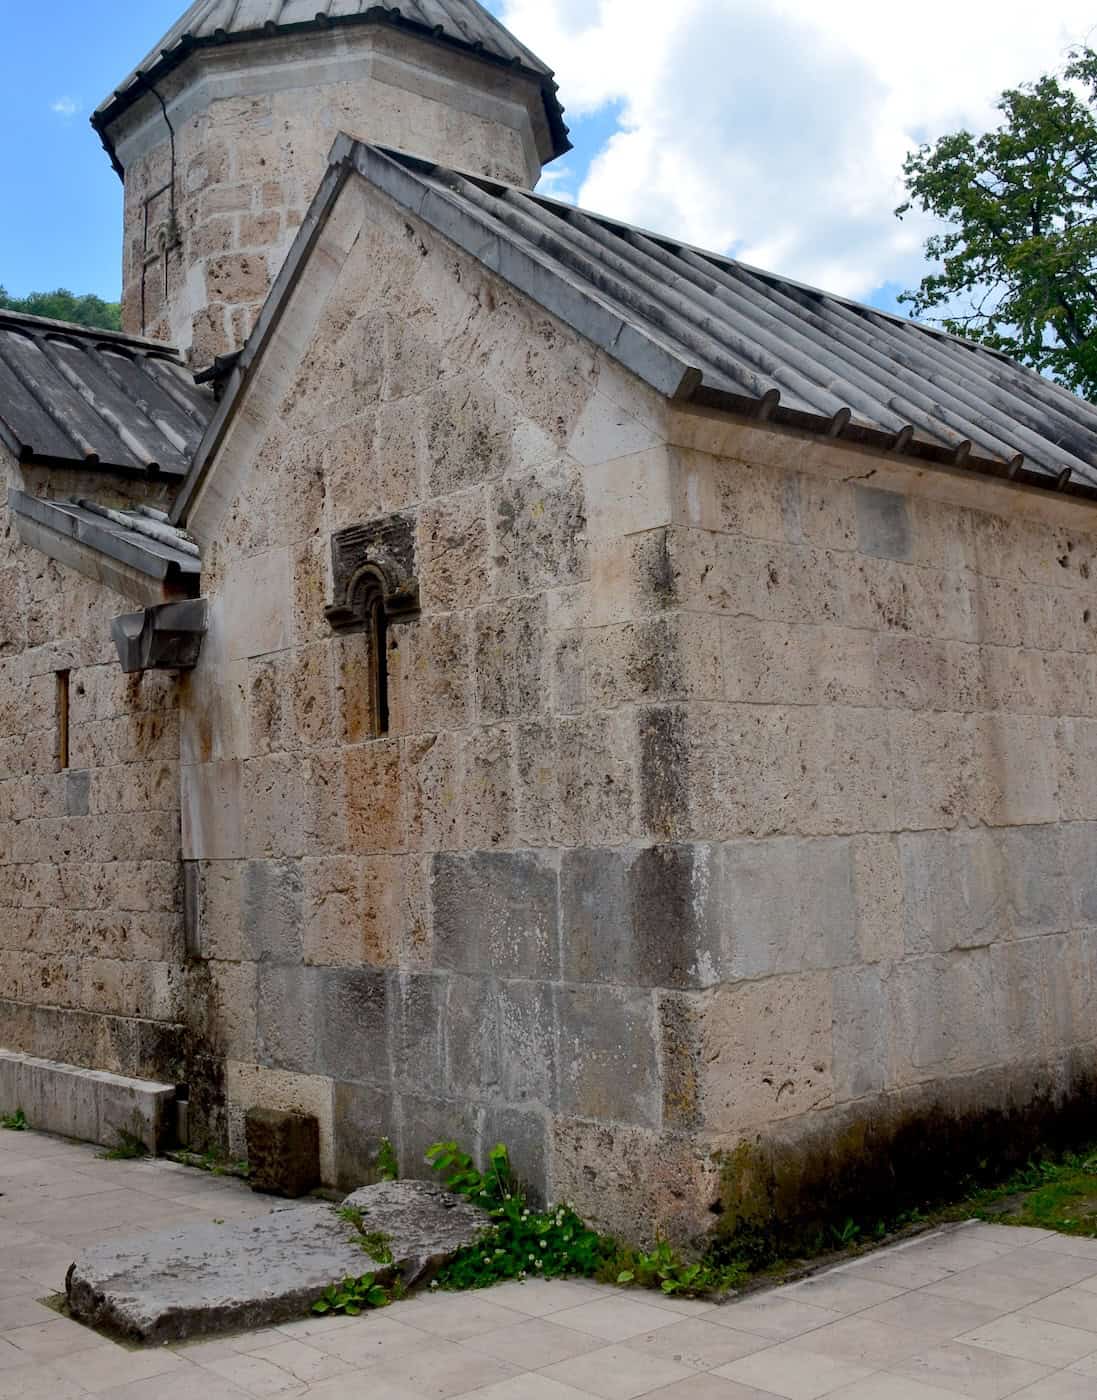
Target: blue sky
x,y
772,129
63,220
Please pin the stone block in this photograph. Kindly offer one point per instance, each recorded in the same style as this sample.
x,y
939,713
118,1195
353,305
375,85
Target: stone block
x,y
607,1061
860,1033
878,885
767,1051
526,1017
210,795
373,796
1034,862
453,552
250,1085
524,1133
883,524
496,910
508,659
1017,781
786,905
943,1015
419,1025
272,910
77,792
89,1105
539,531
201,1280
469,1023
427,1119
283,1152
235,277
351,1008
364,1115
286,1025
633,1182
255,610
640,917
954,890
681,1050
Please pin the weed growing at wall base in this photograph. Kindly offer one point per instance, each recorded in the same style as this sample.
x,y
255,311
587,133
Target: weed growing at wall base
x,y
15,1122
524,1243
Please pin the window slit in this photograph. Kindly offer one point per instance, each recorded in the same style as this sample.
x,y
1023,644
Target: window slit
x,y
63,720
379,665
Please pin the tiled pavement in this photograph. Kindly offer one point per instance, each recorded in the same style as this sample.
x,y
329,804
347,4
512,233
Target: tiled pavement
x,y
983,1312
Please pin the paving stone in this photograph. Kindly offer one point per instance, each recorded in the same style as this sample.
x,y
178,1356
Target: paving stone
x,y
204,1279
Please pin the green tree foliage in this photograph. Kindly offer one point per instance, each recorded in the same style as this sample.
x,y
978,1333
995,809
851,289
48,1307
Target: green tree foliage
x,y
63,305
1016,267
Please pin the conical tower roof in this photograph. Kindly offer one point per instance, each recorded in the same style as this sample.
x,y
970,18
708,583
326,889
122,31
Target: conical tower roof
x,y
462,24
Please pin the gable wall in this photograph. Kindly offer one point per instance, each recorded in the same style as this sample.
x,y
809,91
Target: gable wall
x,y
90,916
388,911
731,804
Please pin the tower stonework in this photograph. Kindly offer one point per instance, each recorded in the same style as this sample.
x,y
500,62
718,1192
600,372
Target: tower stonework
x,y
222,136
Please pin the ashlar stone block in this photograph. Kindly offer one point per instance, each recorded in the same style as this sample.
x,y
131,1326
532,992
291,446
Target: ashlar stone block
x,y
606,1055
496,910
283,1152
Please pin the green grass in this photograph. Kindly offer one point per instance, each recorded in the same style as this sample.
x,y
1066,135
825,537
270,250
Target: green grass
x,y
1049,1195
15,1122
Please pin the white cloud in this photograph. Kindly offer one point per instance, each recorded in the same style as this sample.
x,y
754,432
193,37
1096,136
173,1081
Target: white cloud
x,y
776,129
65,106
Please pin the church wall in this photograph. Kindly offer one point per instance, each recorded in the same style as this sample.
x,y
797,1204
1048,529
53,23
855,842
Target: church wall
x,y
731,846
878,709
253,127
387,915
90,917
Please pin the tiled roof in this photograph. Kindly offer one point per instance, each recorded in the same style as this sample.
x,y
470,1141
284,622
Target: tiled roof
x,y
143,539
704,327
462,23
74,396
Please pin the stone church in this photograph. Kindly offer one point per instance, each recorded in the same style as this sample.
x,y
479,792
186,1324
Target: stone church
x,y
470,668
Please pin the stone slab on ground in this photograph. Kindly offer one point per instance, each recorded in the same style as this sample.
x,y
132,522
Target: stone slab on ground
x,y
87,1104
200,1280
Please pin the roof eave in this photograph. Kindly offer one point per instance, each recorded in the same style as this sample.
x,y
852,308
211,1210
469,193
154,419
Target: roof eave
x,y
170,59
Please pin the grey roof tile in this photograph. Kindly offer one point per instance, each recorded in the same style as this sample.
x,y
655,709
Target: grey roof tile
x,y
463,23
140,538
703,328
75,396
700,325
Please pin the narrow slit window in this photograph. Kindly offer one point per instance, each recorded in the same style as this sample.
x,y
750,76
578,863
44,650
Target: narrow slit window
x,y
63,720
379,665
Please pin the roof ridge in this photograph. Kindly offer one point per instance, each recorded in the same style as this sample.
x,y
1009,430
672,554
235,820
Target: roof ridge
x,y
702,328
74,328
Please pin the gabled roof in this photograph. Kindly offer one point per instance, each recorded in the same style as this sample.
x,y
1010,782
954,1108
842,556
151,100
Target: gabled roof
x,y
462,24
703,328
142,539
72,396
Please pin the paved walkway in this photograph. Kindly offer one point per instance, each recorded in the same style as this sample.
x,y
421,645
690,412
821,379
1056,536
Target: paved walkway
x,y
984,1312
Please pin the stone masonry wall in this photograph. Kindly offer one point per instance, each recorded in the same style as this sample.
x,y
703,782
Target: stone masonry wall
x,y
386,919
90,914
727,804
253,127
876,714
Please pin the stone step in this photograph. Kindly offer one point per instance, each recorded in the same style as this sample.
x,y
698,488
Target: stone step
x,y
201,1280
87,1104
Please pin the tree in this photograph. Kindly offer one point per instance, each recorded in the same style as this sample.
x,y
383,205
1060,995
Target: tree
x,y
63,305
1017,268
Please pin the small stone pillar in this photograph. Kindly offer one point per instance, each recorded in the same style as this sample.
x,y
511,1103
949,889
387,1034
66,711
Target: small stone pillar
x,y
283,1152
